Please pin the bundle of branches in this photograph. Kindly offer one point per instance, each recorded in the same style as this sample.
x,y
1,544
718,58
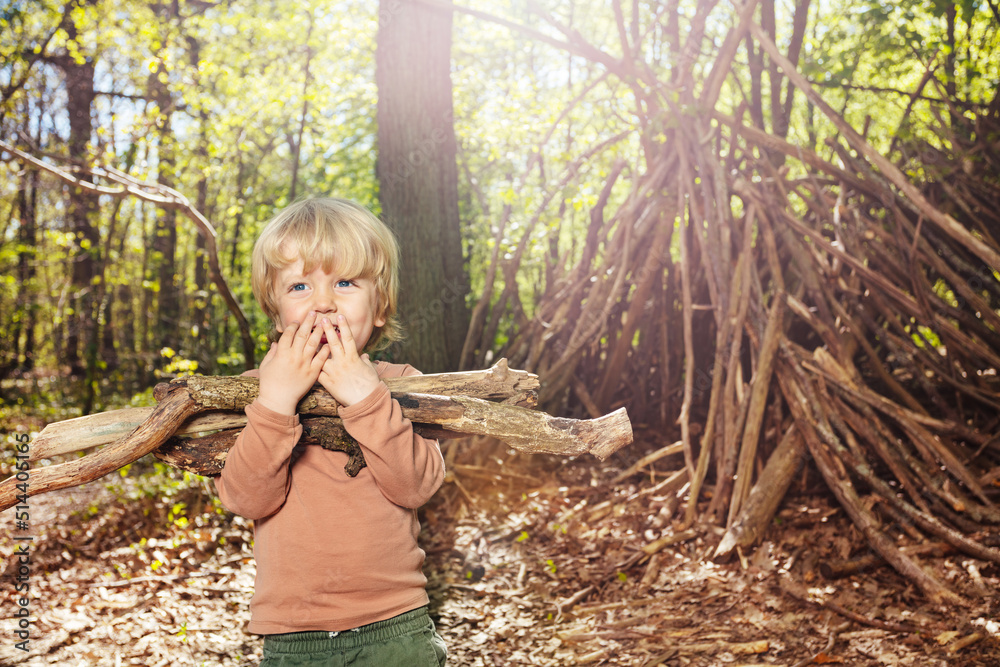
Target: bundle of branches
x,y
755,288
209,411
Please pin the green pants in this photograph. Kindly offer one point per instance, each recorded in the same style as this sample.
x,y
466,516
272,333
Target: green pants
x,y
407,640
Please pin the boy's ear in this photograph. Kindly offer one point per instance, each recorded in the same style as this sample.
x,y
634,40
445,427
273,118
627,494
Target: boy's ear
x,y
380,318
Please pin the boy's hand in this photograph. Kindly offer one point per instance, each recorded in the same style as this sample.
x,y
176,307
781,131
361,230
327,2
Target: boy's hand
x,y
348,376
292,366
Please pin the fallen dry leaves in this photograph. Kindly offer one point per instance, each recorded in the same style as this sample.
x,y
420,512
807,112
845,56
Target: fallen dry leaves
x,y
552,565
584,571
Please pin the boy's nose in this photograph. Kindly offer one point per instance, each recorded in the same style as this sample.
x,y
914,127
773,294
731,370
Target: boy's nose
x,y
325,302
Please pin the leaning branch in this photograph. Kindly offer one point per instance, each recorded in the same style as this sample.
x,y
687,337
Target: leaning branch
x,y
163,197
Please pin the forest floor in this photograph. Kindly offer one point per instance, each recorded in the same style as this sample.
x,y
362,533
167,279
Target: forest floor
x,y
538,561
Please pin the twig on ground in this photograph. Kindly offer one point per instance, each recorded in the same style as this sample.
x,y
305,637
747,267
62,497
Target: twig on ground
x,y
163,579
829,646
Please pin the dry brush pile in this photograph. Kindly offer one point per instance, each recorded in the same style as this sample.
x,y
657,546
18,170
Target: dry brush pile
x,y
771,304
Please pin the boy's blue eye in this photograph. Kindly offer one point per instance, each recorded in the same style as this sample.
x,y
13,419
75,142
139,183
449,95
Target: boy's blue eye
x,y
298,287
344,283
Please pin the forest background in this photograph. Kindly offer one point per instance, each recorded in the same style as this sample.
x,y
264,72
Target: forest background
x,y
752,224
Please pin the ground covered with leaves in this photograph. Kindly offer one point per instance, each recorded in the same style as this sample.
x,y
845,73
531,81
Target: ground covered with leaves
x,y
531,561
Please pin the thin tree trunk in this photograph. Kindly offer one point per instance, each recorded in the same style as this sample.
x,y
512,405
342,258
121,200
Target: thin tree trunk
x,y
24,352
165,242
80,216
201,344
296,143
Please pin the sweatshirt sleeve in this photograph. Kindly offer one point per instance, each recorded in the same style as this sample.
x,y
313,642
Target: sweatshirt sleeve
x,y
255,479
407,468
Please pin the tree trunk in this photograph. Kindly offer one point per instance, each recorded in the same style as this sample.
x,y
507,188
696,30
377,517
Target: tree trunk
x,y
80,212
106,321
418,180
24,352
203,297
105,293
126,332
295,143
165,240
146,305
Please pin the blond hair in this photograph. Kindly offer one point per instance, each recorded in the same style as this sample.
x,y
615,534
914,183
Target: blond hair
x,y
328,233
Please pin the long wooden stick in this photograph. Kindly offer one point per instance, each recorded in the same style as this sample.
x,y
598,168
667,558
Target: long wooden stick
x,y
756,513
758,402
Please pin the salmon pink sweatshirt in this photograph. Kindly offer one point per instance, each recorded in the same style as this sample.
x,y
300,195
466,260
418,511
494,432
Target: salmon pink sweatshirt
x,y
333,552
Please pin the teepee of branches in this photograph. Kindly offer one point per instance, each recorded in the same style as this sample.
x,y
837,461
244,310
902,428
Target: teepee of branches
x,y
777,306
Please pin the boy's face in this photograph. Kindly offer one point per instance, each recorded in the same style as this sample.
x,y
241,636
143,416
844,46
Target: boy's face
x,y
330,294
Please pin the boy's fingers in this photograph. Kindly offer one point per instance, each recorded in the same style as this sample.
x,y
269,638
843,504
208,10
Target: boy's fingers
x,y
332,339
305,337
305,330
320,359
289,332
315,334
346,336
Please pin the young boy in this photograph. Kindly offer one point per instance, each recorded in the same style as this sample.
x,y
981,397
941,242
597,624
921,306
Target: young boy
x,y
339,578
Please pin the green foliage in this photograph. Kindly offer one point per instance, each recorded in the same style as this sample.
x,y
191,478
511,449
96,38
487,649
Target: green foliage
x,y
870,56
236,77
539,128
177,366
